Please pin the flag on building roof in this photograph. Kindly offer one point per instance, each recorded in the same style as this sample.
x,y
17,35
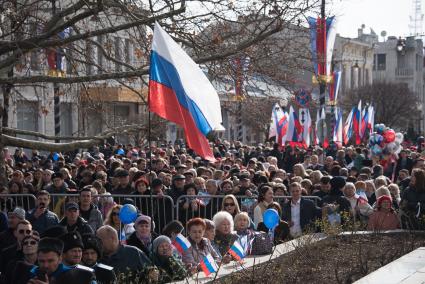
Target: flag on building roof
x,y
180,92
208,264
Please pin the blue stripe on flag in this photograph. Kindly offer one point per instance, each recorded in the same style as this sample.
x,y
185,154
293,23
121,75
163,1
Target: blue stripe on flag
x,y
165,73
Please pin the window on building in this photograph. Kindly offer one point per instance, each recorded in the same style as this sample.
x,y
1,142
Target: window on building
x,y
34,61
27,117
118,53
89,58
127,47
66,119
381,62
100,57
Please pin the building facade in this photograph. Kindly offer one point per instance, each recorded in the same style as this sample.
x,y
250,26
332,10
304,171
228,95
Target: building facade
x,y
401,61
354,58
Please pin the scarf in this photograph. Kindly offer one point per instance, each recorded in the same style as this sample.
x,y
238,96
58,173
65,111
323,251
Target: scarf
x,y
146,241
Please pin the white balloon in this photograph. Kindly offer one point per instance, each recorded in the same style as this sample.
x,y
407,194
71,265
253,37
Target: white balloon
x,y
399,137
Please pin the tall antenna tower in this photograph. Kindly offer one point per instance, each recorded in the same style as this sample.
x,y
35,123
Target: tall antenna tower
x,y
416,19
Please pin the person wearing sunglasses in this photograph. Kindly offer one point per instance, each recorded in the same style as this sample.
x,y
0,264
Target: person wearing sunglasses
x,y
230,205
19,272
14,252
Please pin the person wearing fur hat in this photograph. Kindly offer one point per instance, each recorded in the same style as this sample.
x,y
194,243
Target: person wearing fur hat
x,y
144,234
384,217
170,267
72,249
92,252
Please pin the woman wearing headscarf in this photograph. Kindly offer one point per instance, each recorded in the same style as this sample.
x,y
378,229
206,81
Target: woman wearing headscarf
x,y
144,234
384,217
170,267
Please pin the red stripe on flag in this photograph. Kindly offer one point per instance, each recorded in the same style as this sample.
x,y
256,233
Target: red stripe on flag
x,y
163,101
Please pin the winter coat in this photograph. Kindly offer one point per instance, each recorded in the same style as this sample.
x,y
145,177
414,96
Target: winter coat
x,y
196,251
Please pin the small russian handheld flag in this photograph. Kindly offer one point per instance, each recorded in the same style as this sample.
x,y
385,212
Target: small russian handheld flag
x,y
237,251
208,265
181,243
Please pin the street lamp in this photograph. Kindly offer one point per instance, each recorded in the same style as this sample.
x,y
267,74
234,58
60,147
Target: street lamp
x,y
401,45
356,65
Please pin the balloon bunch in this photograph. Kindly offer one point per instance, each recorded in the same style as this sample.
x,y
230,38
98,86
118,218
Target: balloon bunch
x,y
385,141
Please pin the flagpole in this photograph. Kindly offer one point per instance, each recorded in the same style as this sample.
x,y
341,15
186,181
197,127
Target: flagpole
x,y
322,83
56,99
150,155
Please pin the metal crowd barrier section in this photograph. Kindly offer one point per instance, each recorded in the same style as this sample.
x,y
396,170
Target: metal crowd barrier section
x,y
282,199
9,201
207,206
159,208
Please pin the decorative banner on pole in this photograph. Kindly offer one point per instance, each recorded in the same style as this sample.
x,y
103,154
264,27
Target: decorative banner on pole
x,y
305,120
322,40
302,98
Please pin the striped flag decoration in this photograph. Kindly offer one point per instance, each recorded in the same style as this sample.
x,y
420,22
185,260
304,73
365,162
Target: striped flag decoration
x,y
181,243
208,264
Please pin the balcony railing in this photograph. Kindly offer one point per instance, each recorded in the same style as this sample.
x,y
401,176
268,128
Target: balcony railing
x,y
404,72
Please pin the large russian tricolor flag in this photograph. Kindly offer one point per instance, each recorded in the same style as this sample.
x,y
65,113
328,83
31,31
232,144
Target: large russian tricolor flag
x,y
180,92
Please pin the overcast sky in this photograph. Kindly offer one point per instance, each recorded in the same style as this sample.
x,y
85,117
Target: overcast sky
x,y
389,15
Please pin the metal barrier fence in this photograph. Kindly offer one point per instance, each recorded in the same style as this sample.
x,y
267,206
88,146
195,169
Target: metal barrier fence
x,y
161,208
157,207
207,206
10,201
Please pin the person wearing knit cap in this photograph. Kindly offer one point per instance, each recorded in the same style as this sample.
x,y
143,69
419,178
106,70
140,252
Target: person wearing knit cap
x,y
7,238
170,267
384,217
143,235
72,249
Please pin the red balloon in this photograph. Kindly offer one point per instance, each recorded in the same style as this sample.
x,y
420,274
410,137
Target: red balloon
x,y
389,136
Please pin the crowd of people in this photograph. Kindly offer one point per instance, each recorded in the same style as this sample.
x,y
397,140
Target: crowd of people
x,y
79,234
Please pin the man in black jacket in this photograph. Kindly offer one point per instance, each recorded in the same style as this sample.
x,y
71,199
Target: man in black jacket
x,y
299,212
72,220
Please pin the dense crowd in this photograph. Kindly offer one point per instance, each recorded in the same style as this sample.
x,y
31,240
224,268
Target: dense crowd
x,y
72,229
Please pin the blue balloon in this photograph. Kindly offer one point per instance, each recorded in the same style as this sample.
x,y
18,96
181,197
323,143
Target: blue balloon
x,y
128,214
120,152
376,150
271,218
55,156
380,128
